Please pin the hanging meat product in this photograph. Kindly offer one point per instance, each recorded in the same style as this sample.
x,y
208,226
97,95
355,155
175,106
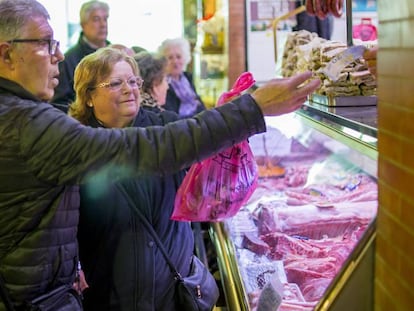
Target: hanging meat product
x,y
321,8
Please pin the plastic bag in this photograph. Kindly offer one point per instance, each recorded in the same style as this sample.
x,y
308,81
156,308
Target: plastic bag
x,y
365,31
216,188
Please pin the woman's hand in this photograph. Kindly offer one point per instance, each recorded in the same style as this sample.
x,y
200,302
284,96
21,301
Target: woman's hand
x,y
284,95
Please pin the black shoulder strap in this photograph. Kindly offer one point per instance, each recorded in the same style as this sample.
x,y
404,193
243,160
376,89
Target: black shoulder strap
x,y
151,230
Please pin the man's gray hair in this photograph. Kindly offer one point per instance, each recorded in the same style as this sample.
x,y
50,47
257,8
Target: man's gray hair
x,y
15,14
88,7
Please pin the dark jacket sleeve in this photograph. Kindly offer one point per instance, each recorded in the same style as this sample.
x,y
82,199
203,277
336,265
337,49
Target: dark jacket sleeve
x,y
60,150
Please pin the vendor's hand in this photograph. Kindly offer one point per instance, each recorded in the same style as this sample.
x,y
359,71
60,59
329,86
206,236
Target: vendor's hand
x,y
370,56
284,95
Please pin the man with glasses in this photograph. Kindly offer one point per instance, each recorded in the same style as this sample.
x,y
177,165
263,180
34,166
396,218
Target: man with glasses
x,y
94,22
51,43
45,154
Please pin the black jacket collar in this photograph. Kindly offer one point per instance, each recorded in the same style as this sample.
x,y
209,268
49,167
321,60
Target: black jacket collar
x,y
8,86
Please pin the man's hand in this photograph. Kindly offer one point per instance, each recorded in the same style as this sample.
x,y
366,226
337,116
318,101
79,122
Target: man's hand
x,y
284,95
80,283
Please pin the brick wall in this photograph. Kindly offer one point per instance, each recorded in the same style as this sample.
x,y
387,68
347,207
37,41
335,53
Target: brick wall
x,y
395,235
237,41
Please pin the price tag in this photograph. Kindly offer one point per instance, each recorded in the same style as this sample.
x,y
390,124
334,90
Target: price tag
x,y
334,68
271,296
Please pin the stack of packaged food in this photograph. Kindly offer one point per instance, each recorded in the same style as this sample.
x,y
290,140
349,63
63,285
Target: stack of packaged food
x,y
306,51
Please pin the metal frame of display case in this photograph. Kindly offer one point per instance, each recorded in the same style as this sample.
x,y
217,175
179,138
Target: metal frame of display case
x,y
235,292
362,255
356,134
232,282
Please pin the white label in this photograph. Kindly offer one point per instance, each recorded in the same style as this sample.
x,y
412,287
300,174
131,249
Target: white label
x,y
270,298
334,68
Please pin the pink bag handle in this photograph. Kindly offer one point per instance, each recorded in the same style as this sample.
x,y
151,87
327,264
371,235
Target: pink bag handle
x,y
243,82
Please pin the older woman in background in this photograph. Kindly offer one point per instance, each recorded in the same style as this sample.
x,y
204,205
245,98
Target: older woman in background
x,y
182,96
154,89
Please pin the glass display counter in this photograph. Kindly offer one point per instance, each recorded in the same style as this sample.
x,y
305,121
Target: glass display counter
x,y
304,240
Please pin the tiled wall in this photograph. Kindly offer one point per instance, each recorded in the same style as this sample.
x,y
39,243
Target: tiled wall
x,y
394,280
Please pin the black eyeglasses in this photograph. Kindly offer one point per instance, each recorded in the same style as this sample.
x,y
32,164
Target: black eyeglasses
x,y
115,84
52,44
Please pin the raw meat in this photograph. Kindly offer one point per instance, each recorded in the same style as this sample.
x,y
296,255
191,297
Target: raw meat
x,y
312,222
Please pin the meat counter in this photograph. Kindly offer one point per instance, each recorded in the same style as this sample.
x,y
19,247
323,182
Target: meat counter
x,y
305,239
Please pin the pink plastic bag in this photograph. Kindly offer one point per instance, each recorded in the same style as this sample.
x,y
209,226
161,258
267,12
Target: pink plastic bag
x,y
216,188
365,31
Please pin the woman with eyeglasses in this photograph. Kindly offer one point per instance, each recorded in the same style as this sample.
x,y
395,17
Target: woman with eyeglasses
x,y
122,267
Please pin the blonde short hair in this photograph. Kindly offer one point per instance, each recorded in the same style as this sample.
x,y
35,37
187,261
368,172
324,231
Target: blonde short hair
x,y
90,71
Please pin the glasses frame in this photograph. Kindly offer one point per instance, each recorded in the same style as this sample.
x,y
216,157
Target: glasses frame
x,y
140,83
53,44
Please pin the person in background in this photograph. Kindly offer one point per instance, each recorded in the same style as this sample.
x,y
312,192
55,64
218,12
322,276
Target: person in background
x,y
122,271
94,23
123,48
182,96
312,23
45,154
137,49
155,86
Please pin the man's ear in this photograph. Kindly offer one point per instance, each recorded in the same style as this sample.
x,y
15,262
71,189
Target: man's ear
x,y
5,52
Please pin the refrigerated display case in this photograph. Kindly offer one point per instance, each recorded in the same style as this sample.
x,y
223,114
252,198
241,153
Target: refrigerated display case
x,y
305,239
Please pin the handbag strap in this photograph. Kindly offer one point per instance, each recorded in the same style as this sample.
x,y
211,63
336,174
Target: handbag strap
x,y
151,230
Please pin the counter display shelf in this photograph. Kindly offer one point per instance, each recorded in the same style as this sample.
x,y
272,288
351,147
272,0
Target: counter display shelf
x,y
306,235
